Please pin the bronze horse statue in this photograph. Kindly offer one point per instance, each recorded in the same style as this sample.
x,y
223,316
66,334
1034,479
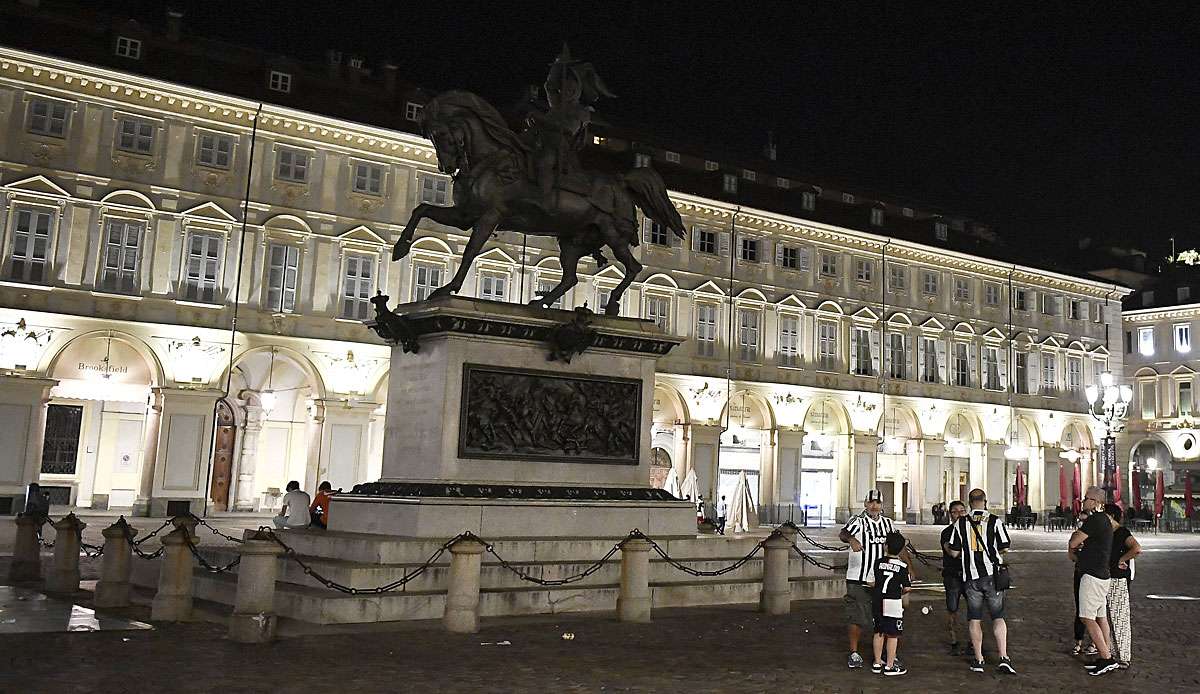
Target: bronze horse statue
x,y
495,189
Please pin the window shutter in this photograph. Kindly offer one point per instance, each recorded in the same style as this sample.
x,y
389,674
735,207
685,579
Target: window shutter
x,y
1002,361
973,379
875,352
646,224
853,348
695,239
779,253
1034,372
940,351
921,375
724,250
1083,310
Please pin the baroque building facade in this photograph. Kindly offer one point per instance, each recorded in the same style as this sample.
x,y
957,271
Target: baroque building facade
x,y
165,345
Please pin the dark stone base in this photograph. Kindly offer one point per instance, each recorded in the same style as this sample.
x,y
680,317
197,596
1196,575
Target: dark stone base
x,y
531,492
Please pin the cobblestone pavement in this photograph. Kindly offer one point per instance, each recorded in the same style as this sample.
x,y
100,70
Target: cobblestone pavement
x,y
686,650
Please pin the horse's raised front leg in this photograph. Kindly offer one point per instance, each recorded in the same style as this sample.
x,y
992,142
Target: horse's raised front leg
x,y
484,228
450,216
624,256
568,257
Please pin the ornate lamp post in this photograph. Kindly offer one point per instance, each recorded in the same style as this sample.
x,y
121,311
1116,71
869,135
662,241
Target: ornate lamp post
x,y
1108,404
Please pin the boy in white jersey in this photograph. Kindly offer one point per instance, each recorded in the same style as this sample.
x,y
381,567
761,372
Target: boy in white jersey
x,y
891,583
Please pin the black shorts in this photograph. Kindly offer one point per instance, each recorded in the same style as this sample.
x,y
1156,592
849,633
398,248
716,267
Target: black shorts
x,y
889,626
954,591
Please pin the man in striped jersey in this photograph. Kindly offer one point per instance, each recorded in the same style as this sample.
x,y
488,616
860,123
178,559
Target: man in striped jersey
x,y
978,540
866,534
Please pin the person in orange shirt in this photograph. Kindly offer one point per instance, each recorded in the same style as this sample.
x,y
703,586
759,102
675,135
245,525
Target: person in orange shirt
x,y
319,511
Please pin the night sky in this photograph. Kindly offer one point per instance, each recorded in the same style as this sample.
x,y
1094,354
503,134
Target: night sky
x,y
1053,121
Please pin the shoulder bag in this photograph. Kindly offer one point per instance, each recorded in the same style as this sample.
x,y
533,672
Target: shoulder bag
x,y
1001,578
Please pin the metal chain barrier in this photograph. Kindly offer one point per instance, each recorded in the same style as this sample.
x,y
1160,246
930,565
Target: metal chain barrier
x,y
926,559
819,545
637,534
134,543
398,583
556,581
142,554
204,562
817,562
218,533
92,551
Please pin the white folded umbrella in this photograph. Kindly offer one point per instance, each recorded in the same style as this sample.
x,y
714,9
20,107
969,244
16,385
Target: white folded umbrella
x,y
691,487
743,514
671,486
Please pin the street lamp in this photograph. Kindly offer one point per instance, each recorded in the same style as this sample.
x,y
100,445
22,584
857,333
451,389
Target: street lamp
x,y
1108,404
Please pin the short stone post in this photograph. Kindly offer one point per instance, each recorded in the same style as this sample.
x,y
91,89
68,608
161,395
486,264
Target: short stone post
x,y
188,522
633,600
112,590
776,596
173,601
462,593
26,564
253,619
64,577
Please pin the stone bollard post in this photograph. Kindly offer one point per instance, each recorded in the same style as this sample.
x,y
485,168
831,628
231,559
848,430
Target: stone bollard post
x,y
173,601
26,564
112,590
64,577
776,596
188,522
462,593
633,601
253,619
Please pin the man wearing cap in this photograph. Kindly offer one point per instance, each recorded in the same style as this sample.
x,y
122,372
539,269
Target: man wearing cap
x,y
866,534
978,541
1091,546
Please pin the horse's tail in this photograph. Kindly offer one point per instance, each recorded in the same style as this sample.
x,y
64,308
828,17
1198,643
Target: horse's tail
x,y
649,192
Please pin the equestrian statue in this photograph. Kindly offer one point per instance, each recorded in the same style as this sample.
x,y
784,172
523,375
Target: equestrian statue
x,y
533,182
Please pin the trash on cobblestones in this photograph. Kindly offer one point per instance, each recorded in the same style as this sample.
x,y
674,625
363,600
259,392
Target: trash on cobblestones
x,y
568,636
8,621
925,609
495,643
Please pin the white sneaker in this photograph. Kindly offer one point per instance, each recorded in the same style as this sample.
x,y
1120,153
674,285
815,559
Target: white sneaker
x,y
854,661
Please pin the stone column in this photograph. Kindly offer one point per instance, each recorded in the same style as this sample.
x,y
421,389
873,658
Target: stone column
x,y
173,602
64,577
141,505
246,498
23,401
914,459
633,601
26,564
462,593
253,619
776,596
702,457
113,588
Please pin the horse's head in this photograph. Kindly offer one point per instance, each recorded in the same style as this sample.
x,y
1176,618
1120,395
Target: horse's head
x,y
464,129
449,137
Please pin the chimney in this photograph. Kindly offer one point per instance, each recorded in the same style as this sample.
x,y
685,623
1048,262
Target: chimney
x,y
389,70
769,149
174,25
333,63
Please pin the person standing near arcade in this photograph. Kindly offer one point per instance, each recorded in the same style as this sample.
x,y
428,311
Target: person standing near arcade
x,y
866,534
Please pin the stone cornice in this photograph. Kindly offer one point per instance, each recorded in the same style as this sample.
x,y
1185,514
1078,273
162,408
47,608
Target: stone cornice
x,y
1148,315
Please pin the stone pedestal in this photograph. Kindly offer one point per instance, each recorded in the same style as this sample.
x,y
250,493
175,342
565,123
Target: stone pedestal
x,y
486,433
112,590
173,601
253,619
26,566
64,577
462,591
776,595
633,600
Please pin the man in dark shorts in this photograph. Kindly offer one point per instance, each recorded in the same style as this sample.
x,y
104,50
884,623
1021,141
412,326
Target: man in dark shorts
x,y
865,536
952,577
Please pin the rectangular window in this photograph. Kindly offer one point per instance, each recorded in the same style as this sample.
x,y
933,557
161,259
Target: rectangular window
x,y
930,369
729,183
435,190
1183,338
941,231
876,217
789,340
1049,305
122,256
991,368
280,81
710,165
1147,297
1074,374
1128,341
1049,372
808,200
1185,399
1022,378
494,286
962,290
906,212
848,198
829,265
827,356
214,150
929,282
748,335
135,136
706,241
864,270
368,178
1183,294
412,111
603,294
426,278
203,264
358,283
1020,300
861,365
658,309
31,244
129,48
1149,403
897,356
706,329
641,161
1098,313
783,183
897,278
750,250
991,294
793,258
282,276
657,233
671,157
47,117
291,165
962,365
1146,342
749,175
544,287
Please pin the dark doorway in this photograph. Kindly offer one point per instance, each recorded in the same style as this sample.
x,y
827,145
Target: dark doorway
x,y
60,448
223,457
